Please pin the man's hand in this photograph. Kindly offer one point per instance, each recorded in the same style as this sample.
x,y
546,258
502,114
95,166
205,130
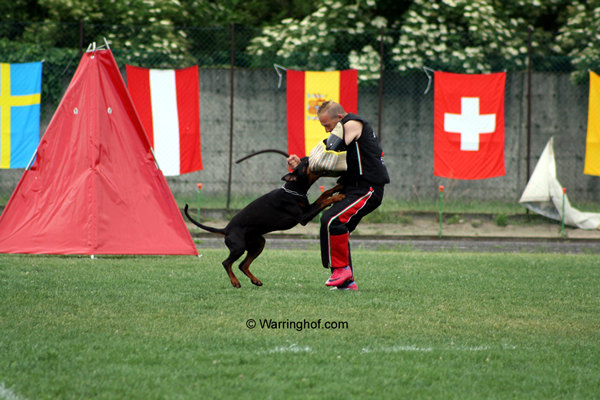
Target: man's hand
x,y
293,161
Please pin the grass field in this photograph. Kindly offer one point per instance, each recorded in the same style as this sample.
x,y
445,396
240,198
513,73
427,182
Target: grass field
x,y
389,205
423,325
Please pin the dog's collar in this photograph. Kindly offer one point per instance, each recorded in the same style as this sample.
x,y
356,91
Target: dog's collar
x,y
293,192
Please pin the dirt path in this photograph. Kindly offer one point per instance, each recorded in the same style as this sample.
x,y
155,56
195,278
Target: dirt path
x,y
421,232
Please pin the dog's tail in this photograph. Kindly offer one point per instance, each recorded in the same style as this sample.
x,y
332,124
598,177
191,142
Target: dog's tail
x,y
198,224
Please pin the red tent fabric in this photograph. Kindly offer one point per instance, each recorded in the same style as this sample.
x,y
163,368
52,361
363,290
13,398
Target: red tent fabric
x,y
94,187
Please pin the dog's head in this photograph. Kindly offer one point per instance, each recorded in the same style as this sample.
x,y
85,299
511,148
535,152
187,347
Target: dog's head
x,y
301,178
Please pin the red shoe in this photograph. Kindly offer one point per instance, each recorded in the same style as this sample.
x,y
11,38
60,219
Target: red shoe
x,y
348,285
339,276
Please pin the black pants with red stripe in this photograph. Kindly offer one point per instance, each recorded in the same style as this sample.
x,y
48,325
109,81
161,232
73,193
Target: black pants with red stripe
x,y
341,219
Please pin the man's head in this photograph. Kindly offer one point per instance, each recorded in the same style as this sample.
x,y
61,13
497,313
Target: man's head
x,y
330,113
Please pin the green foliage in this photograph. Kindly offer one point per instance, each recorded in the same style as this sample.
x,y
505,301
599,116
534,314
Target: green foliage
x,y
579,38
423,325
320,40
260,13
501,220
382,217
392,206
454,35
460,36
455,219
58,67
476,223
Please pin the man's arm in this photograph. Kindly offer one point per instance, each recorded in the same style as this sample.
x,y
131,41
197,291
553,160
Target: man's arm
x,y
352,131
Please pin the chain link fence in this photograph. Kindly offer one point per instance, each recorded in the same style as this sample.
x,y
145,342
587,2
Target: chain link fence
x,y
237,76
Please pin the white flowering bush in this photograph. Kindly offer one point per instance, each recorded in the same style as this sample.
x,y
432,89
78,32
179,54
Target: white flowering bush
x,y
457,35
340,34
580,38
468,36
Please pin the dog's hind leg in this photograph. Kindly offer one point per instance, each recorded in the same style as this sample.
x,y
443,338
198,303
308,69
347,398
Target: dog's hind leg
x,y
227,264
235,242
255,247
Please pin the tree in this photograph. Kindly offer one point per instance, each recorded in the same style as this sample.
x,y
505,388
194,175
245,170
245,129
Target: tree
x,y
579,37
339,34
454,35
137,27
469,36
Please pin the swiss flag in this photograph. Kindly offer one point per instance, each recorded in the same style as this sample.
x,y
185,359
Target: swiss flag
x,y
168,104
468,141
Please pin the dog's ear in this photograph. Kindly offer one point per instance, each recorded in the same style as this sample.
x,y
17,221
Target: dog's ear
x,y
290,177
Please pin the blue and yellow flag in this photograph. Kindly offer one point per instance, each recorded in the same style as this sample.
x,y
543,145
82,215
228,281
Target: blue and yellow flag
x,y
20,94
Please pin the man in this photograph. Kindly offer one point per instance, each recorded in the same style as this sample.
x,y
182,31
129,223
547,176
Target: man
x,y
363,183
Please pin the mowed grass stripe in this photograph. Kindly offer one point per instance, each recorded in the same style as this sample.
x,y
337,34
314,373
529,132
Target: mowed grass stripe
x,y
423,325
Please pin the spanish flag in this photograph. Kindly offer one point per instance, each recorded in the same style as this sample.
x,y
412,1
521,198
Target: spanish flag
x,y
306,91
592,145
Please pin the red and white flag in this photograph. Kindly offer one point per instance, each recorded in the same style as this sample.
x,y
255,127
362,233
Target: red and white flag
x,y
168,104
468,141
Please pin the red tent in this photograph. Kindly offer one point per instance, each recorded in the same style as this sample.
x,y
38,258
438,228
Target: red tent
x,y
94,187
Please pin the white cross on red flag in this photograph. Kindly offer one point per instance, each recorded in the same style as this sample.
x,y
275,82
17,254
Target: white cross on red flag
x,y
468,141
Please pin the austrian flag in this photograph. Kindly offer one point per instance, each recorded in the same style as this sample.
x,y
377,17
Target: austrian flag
x,y
168,104
468,141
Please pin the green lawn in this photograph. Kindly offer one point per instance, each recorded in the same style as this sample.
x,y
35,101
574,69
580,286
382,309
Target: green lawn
x,y
423,325
389,205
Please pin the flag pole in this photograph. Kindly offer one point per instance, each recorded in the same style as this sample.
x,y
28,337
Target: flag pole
x,y
441,202
529,55
562,218
199,185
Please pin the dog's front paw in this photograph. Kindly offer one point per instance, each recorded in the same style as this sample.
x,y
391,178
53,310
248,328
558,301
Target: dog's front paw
x,y
338,197
329,192
333,199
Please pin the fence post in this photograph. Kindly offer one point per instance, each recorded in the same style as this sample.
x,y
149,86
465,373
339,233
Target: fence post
x,y
80,38
380,95
441,209
199,185
231,93
562,217
529,55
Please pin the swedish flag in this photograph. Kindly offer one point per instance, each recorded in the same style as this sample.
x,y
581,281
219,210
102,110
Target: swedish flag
x,y
20,94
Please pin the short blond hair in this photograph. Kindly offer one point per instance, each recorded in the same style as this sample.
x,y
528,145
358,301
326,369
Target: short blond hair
x,y
332,108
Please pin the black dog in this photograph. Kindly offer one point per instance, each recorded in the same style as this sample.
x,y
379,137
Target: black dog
x,y
280,209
